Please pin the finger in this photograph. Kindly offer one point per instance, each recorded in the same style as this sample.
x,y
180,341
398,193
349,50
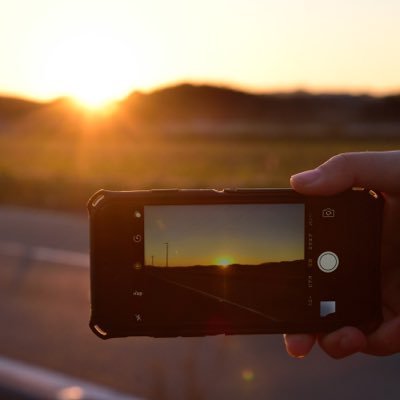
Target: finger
x,y
385,340
299,345
343,342
376,170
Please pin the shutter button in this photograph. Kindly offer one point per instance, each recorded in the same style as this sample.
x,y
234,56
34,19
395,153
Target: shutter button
x,y
328,261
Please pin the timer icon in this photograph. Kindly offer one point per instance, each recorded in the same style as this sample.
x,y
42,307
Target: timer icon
x,y
137,238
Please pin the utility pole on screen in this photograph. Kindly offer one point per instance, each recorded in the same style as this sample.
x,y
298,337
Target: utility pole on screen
x,y
166,253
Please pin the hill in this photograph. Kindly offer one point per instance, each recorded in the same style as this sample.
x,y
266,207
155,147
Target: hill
x,y
188,102
189,108
12,108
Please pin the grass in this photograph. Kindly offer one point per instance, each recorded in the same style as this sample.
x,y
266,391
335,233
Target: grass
x,y
61,170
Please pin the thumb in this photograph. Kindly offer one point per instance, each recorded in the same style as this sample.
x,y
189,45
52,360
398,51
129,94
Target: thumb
x,y
374,170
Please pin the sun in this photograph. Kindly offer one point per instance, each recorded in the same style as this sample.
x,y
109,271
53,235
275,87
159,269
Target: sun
x,y
93,67
224,261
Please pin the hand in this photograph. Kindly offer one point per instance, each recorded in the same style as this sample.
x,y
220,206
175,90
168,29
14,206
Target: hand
x,y
379,171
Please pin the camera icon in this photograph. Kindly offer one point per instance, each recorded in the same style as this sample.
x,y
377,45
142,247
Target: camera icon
x,y
328,213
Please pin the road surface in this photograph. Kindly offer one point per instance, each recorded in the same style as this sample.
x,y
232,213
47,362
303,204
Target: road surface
x,y
44,310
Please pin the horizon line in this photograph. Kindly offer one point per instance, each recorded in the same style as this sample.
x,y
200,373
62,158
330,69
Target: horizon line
x,y
378,93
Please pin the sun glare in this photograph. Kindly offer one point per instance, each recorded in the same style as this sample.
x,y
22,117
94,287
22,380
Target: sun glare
x,y
92,102
224,261
92,67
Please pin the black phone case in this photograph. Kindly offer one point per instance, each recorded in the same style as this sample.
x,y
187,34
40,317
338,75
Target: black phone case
x,y
114,276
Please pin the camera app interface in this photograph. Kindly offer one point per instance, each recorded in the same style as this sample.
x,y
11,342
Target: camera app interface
x,y
226,263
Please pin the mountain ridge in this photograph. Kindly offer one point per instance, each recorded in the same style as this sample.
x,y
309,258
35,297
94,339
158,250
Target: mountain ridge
x,y
189,105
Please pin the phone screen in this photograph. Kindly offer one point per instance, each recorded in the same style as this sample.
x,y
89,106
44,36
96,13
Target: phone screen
x,y
231,262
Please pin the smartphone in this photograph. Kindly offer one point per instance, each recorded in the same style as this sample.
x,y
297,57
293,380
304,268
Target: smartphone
x,y
168,263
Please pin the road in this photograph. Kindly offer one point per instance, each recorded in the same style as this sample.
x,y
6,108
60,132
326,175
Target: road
x,y
44,310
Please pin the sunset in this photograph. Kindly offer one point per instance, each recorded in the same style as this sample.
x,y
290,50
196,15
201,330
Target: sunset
x,y
98,51
247,234
224,261
91,67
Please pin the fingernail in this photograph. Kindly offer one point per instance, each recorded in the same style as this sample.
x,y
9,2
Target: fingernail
x,y
297,346
306,178
294,354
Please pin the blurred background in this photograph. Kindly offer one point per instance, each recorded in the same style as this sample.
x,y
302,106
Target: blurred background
x,y
126,94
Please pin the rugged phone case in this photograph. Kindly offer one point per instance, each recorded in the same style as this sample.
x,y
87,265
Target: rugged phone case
x,y
129,298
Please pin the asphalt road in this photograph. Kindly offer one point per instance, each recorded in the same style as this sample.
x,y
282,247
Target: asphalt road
x,y
44,310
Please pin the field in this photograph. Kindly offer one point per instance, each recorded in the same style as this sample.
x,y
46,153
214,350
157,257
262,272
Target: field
x,y
60,170
237,293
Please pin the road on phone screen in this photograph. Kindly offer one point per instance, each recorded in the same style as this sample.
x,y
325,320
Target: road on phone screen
x,y
44,311
218,300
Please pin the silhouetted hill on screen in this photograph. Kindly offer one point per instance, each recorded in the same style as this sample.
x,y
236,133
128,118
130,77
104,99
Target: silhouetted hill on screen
x,y
290,268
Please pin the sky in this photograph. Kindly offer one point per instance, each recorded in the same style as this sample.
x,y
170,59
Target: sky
x,y
223,234
99,50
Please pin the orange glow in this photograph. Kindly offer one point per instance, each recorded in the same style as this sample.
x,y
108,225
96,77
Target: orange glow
x,y
97,51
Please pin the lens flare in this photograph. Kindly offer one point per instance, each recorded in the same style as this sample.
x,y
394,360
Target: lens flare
x,y
248,375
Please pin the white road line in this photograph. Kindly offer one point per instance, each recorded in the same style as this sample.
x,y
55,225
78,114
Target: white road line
x,y
32,382
217,298
45,254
